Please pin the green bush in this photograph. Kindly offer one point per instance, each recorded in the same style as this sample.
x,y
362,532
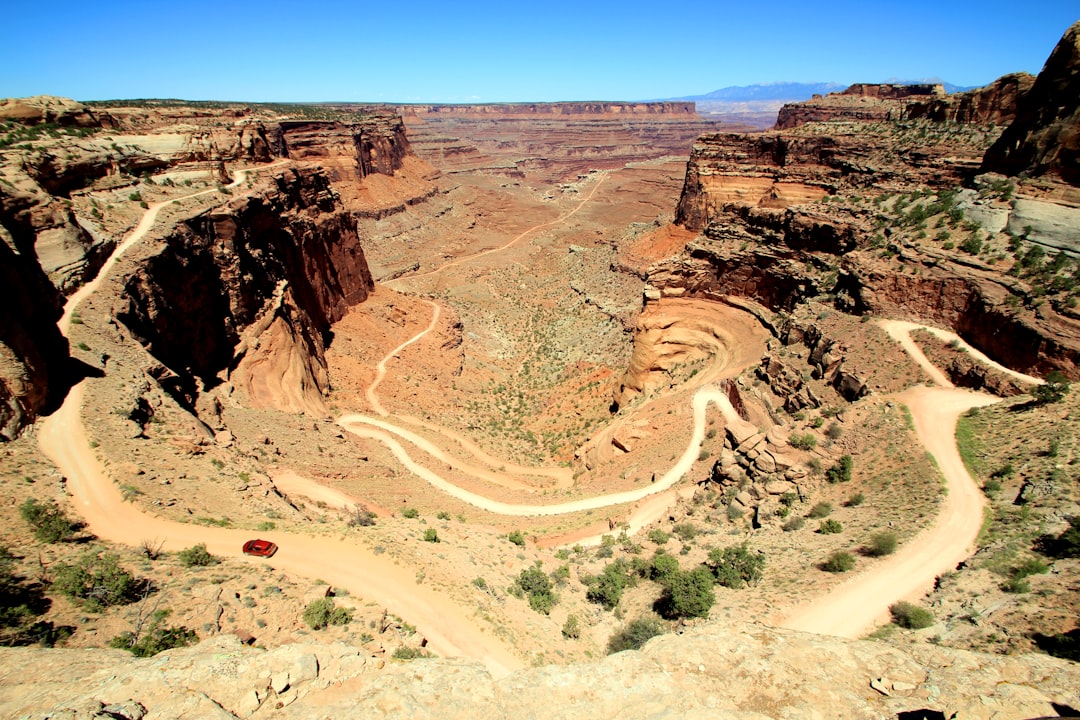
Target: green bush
x,y
663,566
1016,585
410,653
197,556
688,594
795,523
155,638
805,441
635,634
822,509
736,566
911,616
536,585
855,500
841,471
411,513
1054,389
686,531
322,612
830,527
96,581
431,535
882,544
571,629
1065,545
834,431
517,538
839,562
658,536
50,524
607,588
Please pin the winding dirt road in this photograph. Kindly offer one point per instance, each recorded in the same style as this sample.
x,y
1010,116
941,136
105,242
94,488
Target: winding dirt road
x,y
847,611
861,603
62,438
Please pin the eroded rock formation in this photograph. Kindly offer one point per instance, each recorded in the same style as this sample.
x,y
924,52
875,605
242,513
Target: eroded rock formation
x,y
252,286
1045,137
745,673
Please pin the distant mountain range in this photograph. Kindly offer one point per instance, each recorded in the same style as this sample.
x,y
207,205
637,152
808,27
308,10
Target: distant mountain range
x,y
767,91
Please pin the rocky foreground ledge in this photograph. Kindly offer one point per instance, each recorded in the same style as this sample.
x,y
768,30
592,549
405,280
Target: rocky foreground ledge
x,y
748,673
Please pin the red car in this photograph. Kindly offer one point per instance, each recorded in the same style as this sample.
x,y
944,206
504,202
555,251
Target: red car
x,y
260,548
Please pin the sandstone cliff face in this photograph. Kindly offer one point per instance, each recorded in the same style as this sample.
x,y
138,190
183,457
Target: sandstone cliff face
x,y
33,353
995,104
861,101
1045,137
376,144
252,286
973,306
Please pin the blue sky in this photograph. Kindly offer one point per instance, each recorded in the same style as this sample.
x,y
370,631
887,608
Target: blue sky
x,y
421,51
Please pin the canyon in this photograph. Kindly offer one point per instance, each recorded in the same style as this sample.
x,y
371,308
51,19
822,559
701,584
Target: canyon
x,y
589,327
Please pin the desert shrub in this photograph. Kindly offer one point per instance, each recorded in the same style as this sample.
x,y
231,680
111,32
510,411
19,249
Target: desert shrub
x,y
571,629
658,536
517,538
1016,585
881,544
50,524
361,517
1065,545
855,500
635,634
805,441
662,567
822,509
834,431
839,562
196,556
795,523
606,589
686,531
322,612
406,652
431,535
96,581
687,594
411,513
841,471
1031,566
1054,389
1063,645
736,565
911,616
830,527
536,585
155,638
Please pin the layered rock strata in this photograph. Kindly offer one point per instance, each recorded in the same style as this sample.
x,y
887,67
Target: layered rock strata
x,y
251,288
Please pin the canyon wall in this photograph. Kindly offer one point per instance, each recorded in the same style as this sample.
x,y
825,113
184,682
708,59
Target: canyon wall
x,y
284,262
1045,137
996,104
653,110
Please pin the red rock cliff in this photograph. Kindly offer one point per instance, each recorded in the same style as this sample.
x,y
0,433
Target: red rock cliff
x,y
1045,137
285,261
